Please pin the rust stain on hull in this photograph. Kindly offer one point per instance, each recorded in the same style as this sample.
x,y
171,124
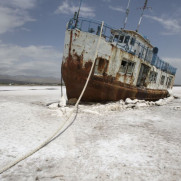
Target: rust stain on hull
x,y
101,88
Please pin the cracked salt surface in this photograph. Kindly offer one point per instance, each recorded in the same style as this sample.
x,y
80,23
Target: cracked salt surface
x,y
131,140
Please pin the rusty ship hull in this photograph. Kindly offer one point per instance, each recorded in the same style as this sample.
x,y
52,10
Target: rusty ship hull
x,y
122,70
101,88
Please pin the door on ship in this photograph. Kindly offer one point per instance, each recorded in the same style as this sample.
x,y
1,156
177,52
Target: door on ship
x,y
144,70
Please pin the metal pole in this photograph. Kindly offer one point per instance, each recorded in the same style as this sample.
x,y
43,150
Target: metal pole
x,y
61,85
78,13
140,21
143,9
127,13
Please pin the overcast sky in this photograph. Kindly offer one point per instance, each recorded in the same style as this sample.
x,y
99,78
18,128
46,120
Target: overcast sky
x,y
32,31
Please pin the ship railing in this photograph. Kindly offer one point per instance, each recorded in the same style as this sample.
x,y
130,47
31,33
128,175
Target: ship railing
x,y
94,27
164,66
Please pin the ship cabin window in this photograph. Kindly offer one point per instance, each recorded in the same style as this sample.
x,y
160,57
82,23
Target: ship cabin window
x,y
130,68
132,42
119,38
127,67
123,67
169,81
126,40
100,66
122,39
153,76
162,80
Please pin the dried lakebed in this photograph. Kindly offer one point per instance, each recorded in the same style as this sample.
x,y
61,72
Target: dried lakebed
x,y
116,141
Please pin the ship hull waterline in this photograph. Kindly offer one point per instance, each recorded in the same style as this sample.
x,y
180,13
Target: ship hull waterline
x,y
101,88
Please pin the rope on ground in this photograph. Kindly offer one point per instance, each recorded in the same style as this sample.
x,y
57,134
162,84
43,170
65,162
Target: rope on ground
x,y
59,131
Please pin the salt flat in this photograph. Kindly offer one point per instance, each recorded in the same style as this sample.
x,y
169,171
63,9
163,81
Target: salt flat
x,y
106,142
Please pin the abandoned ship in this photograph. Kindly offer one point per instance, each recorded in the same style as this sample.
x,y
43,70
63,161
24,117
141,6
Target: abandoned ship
x,y
127,64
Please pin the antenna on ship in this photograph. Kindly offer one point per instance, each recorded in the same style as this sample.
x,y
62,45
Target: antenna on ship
x,y
127,13
77,15
143,9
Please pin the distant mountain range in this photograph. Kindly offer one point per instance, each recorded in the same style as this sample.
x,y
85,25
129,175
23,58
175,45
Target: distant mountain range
x,y
22,79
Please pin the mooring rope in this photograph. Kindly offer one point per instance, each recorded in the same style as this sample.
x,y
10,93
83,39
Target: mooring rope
x,y
59,131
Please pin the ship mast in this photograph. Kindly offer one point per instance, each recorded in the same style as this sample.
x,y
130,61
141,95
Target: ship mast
x,y
78,13
143,9
127,13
